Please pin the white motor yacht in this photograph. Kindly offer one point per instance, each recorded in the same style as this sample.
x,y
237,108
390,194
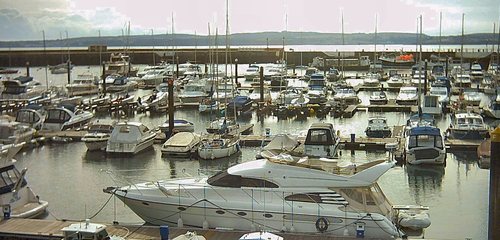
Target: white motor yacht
x,y
84,84
272,194
476,72
372,80
66,117
346,95
321,141
407,95
21,88
425,145
471,96
431,105
462,80
32,115
130,138
377,128
395,81
98,135
153,78
378,98
16,197
252,72
181,144
193,92
441,93
180,125
468,125
15,134
119,63
218,146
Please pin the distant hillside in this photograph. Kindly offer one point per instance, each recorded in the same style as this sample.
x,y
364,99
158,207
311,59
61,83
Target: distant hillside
x,y
261,38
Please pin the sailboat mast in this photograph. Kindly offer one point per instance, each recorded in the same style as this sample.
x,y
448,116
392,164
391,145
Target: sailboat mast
x,y
343,42
440,24
375,52
172,41
462,44
227,33
419,90
46,63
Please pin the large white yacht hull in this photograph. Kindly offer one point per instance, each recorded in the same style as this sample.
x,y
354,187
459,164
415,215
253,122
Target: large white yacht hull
x,y
271,216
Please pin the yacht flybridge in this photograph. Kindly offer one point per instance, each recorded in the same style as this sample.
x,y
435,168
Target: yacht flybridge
x,y
276,195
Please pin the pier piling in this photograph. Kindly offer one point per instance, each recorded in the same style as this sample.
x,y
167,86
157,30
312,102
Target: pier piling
x,y
261,84
170,107
236,71
69,72
494,215
27,69
104,78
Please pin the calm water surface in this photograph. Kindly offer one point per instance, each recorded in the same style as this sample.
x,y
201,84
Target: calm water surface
x,y
72,179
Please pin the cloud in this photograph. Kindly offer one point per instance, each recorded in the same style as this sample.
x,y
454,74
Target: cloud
x,y
26,19
14,25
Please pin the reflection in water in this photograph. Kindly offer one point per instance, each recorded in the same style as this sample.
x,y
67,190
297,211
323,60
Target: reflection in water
x,y
466,160
188,167
424,181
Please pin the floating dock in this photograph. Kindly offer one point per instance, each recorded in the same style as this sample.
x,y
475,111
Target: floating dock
x,y
51,229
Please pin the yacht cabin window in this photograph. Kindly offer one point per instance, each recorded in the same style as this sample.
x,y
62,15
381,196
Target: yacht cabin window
x,y
224,179
26,117
56,115
8,177
425,141
319,136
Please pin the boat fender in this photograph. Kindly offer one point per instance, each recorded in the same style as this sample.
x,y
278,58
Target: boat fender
x,y
321,224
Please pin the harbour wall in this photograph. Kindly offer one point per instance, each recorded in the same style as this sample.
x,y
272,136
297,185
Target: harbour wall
x,y
19,58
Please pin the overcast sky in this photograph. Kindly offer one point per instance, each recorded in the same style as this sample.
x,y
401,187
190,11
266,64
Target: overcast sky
x,y
25,19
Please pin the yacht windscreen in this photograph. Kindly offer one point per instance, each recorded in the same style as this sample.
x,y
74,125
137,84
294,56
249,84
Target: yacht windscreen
x,y
224,179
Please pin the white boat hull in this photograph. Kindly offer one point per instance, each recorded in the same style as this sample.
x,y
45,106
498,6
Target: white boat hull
x,y
96,145
214,153
130,148
222,213
422,155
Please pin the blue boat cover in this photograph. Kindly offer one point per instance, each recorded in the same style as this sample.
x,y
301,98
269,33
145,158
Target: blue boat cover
x,y
240,101
431,131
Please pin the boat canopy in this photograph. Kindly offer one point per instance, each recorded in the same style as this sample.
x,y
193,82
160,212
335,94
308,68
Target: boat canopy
x,y
431,131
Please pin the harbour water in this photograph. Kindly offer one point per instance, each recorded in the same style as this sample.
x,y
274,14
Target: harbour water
x,y
71,179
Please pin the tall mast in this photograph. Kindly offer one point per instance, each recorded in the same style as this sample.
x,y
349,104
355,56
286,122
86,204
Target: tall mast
x,y
227,33
153,42
172,39
343,42
67,46
494,30
440,24
100,48
462,44
375,52
419,90
45,54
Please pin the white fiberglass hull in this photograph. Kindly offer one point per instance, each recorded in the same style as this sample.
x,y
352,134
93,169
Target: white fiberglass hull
x,y
218,152
131,148
266,212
